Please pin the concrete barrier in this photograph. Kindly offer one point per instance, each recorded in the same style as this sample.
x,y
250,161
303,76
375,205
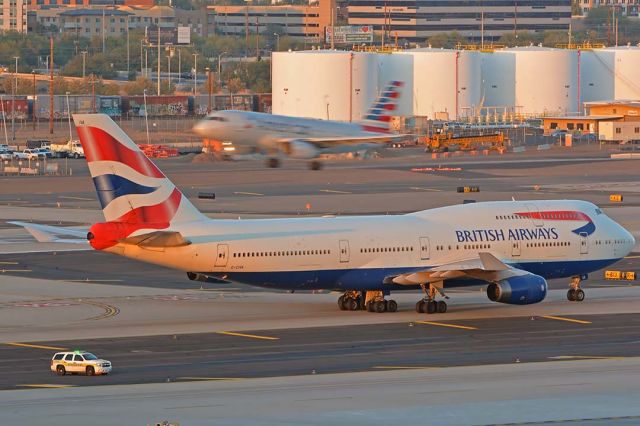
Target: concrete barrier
x,y
544,146
626,155
519,149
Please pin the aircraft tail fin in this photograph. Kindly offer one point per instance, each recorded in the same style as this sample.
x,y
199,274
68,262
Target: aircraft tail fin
x,y
379,115
131,189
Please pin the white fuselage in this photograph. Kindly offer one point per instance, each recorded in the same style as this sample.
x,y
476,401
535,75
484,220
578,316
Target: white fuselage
x,y
359,252
245,128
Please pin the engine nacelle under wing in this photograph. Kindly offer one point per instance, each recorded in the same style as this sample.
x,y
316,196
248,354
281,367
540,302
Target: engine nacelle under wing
x,y
299,149
519,290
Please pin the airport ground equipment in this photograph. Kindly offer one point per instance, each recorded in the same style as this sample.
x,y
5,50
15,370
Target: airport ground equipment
x,y
444,142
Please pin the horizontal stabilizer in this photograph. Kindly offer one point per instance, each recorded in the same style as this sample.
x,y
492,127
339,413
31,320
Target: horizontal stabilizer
x,y
51,234
157,239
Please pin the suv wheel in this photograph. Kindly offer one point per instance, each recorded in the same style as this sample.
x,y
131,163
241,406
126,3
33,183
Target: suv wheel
x,y
61,370
91,371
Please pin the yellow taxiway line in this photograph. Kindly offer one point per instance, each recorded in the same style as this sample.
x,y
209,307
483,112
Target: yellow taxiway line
x,y
8,263
47,386
28,345
566,319
563,357
333,191
204,379
248,193
441,324
68,197
15,270
400,367
419,188
251,336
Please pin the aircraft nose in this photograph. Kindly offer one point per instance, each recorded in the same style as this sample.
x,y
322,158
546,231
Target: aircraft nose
x,y
628,237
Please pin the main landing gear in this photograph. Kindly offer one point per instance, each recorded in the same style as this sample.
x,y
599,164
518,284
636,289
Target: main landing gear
x,y
373,301
273,163
315,165
575,293
428,304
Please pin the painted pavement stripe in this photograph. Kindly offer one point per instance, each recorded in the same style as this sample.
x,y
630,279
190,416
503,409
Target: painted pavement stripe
x,y
251,336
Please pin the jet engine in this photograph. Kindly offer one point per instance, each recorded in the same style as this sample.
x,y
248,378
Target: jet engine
x,y
195,276
299,149
520,290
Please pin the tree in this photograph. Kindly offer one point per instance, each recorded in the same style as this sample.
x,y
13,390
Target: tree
x,y
447,40
235,85
138,87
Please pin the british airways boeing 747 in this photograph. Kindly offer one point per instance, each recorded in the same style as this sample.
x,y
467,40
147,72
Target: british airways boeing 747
x,y
513,246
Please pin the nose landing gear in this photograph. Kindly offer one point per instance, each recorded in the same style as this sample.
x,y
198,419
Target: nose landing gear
x,y
575,293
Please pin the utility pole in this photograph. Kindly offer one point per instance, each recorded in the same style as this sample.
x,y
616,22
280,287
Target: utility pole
x,y
257,37
84,61
179,65
13,100
93,94
35,100
195,74
128,60
51,84
104,29
159,57
208,89
169,69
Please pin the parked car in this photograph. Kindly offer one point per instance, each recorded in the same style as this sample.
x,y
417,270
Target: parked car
x,y
46,151
34,154
6,155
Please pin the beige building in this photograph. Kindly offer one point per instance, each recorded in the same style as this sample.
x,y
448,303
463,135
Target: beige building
x,y
13,15
624,7
295,20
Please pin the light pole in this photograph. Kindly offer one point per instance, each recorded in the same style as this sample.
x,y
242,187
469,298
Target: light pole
x,y
195,74
35,100
13,101
146,116
84,62
220,68
277,41
169,69
69,116
208,89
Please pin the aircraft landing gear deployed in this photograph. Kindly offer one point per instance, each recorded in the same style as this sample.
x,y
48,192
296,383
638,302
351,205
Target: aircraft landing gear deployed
x,y
575,293
375,302
273,162
350,301
428,304
315,165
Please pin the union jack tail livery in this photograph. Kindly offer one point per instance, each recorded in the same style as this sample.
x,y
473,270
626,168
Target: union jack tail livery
x,y
136,197
379,115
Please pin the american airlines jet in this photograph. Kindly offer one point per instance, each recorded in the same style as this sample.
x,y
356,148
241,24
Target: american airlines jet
x,y
304,138
512,246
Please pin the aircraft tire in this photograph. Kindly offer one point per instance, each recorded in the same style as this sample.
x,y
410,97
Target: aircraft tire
x,y
351,304
579,297
392,306
315,165
431,307
420,306
273,163
341,304
380,306
441,307
571,295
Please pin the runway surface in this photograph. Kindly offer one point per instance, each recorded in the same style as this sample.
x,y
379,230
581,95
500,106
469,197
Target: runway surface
x,y
428,342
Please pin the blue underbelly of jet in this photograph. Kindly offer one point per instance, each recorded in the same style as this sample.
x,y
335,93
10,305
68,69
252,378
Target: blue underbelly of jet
x,y
373,278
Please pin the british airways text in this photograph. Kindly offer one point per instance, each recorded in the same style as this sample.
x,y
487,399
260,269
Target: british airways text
x,y
517,234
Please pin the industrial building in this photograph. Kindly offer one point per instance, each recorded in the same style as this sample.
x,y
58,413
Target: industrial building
x,y
494,86
416,20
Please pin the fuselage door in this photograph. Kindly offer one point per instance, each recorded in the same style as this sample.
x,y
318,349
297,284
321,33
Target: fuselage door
x,y
584,243
535,215
344,251
515,248
424,248
222,255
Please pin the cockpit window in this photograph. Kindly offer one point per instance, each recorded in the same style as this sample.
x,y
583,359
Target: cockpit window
x,y
216,118
598,211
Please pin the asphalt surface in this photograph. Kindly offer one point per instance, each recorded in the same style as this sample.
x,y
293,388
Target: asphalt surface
x,y
291,352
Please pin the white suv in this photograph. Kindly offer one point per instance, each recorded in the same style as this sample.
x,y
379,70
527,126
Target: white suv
x,y
79,362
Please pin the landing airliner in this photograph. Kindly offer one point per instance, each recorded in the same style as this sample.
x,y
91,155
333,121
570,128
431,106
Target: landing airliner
x,y
513,246
304,138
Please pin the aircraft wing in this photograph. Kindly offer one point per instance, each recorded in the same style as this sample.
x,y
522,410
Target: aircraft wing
x,y
484,267
54,234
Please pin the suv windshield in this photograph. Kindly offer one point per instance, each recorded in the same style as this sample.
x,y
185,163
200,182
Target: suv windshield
x,y
89,357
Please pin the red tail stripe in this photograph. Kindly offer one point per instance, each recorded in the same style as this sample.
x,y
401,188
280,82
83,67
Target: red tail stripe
x,y
100,146
375,129
161,213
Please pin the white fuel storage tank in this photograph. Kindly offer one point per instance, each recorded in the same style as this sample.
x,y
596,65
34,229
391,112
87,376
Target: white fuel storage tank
x,y
612,73
445,82
532,80
324,84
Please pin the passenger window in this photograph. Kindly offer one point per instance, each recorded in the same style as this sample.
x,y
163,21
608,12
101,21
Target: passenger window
x,y
58,357
69,357
78,358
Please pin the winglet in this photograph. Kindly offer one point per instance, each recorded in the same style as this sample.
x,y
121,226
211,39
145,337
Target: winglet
x,y
491,263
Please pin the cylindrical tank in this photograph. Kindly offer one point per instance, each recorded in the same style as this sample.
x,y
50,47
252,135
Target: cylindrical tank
x,y
611,73
446,83
544,80
324,84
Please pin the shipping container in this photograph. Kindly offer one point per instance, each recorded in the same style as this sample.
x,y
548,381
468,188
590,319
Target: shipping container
x,y
157,106
21,105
